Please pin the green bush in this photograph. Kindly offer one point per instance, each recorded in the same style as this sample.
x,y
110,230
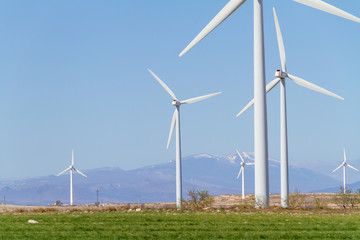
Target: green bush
x,y
197,200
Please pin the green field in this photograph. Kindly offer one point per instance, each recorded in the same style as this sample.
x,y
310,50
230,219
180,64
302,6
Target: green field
x,y
180,225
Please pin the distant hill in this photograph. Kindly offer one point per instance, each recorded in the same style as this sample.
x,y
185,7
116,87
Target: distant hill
x,y
156,183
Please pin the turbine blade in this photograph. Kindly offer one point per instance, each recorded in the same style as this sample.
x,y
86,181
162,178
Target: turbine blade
x,y
239,173
229,8
352,167
78,171
72,158
246,107
323,6
269,86
167,89
272,84
197,99
240,155
171,128
64,171
280,42
337,168
250,163
312,86
344,155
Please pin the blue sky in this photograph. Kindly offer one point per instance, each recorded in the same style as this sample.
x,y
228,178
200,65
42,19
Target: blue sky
x,y
73,76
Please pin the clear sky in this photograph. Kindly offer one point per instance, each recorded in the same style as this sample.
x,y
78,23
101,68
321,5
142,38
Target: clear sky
x,y
74,75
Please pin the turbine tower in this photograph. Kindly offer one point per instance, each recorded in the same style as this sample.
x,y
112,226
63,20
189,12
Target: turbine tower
x,y
242,170
260,115
281,76
71,168
176,120
344,164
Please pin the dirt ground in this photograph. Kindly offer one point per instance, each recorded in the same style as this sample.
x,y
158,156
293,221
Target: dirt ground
x,y
299,201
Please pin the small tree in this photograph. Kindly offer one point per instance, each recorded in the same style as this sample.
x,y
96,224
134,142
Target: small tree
x,y
198,200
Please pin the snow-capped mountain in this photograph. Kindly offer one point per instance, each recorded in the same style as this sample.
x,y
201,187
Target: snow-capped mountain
x,y
156,183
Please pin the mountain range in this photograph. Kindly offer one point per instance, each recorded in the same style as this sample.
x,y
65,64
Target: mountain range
x,y
156,183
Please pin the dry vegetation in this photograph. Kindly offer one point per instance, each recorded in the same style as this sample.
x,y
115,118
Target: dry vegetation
x,y
201,201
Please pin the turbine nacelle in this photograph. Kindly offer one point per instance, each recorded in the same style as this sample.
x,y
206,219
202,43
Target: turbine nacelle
x,y
176,103
280,74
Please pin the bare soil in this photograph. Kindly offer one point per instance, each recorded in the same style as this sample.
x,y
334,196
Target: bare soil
x,y
306,201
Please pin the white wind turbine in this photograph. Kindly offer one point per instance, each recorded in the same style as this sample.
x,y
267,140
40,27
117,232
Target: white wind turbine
x,y
71,168
176,120
281,76
344,164
242,170
260,117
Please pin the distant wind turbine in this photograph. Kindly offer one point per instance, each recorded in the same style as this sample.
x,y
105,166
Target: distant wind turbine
x,y
281,75
176,120
344,164
260,117
242,170
71,168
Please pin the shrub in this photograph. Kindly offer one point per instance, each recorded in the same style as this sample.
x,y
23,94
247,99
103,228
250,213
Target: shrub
x,y
197,200
297,200
320,203
347,200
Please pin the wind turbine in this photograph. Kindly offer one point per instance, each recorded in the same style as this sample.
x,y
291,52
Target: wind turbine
x,y
260,116
344,164
71,168
281,75
176,120
242,170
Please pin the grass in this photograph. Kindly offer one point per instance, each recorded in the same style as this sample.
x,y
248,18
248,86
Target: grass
x,y
180,225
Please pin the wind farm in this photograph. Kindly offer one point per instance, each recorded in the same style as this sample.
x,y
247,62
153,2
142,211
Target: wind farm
x,y
76,75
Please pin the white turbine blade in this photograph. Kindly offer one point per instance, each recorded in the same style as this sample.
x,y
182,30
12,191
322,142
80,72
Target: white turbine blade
x,y
338,168
171,128
239,173
229,8
250,163
269,86
240,155
323,6
167,89
64,171
352,167
280,43
312,86
78,171
72,158
197,99
344,155
272,84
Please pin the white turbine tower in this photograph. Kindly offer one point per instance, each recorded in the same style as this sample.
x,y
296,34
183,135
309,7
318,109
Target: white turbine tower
x,y
176,120
281,76
242,170
260,116
71,168
344,164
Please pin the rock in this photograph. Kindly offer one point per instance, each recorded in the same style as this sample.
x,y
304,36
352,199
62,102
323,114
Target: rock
x,y
32,221
138,210
130,210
